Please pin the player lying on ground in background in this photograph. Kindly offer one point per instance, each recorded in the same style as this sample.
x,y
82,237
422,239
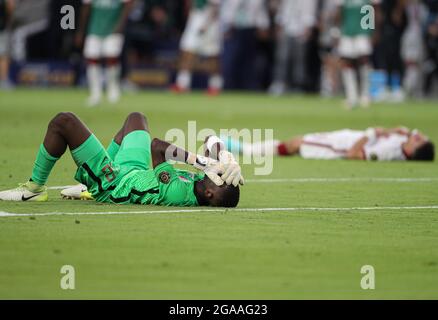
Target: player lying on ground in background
x,y
134,169
378,144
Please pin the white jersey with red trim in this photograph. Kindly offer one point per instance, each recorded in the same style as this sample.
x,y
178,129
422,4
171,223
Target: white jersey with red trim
x,y
387,148
335,145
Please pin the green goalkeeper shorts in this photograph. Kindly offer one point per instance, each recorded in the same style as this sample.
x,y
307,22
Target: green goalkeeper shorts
x,y
100,173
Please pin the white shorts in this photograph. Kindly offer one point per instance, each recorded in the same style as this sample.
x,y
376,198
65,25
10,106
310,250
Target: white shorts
x,y
329,145
355,47
194,41
107,47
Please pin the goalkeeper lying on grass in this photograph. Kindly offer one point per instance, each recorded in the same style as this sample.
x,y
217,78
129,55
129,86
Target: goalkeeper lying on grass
x,y
123,173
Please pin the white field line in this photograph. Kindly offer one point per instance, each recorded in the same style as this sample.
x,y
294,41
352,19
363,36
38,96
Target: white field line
x,y
323,180
330,180
319,209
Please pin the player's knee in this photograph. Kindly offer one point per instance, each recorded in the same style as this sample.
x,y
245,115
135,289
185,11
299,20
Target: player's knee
x,y
136,116
154,143
136,121
63,120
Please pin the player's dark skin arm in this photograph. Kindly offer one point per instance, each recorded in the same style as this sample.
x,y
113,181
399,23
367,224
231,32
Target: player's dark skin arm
x,y
120,26
83,20
163,151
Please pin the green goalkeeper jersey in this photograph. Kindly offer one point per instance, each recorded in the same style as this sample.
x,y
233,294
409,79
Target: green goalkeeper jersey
x,y
352,16
105,15
164,186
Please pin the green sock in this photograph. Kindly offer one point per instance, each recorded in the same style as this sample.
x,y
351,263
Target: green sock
x,y
43,165
112,149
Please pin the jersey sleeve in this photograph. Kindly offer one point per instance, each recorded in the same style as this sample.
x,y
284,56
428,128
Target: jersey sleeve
x,y
173,190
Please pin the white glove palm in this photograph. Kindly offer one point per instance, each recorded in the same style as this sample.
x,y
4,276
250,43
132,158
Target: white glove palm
x,y
233,172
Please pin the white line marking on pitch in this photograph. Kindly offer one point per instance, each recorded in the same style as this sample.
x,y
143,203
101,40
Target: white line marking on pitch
x,y
322,209
307,180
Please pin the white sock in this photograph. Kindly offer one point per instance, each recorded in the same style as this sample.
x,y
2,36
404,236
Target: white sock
x,y
94,76
113,77
364,72
215,82
350,85
412,81
184,79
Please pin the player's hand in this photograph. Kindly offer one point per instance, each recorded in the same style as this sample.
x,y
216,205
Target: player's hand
x,y
214,172
212,169
233,172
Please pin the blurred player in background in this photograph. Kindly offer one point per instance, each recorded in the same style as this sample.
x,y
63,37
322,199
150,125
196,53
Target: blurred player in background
x,y
413,48
6,9
355,49
432,46
374,144
391,32
243,24
328,37
294,22
201,37
103,22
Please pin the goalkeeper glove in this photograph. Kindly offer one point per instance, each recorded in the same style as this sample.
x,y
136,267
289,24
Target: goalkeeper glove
x,y
212,168
233,172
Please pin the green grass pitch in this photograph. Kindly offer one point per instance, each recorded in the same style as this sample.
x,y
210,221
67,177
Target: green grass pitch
x,y
291,253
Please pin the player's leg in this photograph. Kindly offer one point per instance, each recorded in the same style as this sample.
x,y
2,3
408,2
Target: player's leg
x,y
183,80
4,71
189,45
135,143
347,52
139,140
364,49
215,80
80,191
210,47
111,50
364,72
4,60
134,122
65,129
349,79
281,67
92,54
